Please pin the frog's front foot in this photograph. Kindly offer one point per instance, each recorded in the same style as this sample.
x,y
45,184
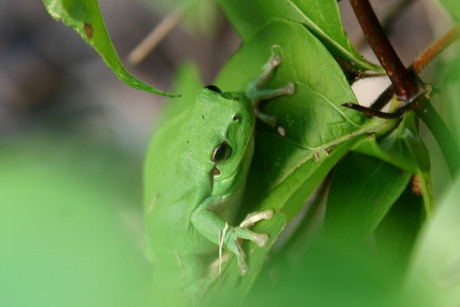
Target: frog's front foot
x,y
233,235
257,94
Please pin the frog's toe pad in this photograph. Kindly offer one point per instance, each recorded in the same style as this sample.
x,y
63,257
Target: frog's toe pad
x,y
243,268
289,89
261,239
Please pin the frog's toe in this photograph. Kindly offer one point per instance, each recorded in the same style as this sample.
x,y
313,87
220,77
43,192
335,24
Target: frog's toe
x,y
267,214
241,260
243,268
275,60
255,217
288,89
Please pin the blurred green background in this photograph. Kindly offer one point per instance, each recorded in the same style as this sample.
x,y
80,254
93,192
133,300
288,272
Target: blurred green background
x,y
72,141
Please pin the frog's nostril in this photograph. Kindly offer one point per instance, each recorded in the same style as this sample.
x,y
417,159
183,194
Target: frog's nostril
x,y
213,88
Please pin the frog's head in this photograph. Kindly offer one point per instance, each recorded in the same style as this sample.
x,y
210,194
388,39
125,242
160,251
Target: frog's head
x,y
229,137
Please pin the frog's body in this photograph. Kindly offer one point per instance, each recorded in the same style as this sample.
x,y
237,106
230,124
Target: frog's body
x,y
180,189
195,174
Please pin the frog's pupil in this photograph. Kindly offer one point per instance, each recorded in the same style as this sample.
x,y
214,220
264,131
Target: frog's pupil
x,y
221,152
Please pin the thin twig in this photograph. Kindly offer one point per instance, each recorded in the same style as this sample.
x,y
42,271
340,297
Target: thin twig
x,y
435,49
148,44
383,99
376,113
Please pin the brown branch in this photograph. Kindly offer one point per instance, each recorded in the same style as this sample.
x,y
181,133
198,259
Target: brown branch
x,y
404,82
421,62
390,17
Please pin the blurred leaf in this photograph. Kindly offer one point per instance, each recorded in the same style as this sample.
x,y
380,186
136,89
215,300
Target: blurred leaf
x,y
329,273
395,236
85,18
362,192
187,82
453,7
450,96
321,17
69,227
318,132
435,267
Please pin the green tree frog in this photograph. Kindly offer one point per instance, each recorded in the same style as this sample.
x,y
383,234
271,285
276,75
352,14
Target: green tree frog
x,y
195,174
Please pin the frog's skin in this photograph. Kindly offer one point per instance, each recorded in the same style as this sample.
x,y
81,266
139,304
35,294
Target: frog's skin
x,y
195,174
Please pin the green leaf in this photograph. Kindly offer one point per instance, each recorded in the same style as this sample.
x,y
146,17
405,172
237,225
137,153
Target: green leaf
x,y
404,149
318,132
85,18
321,17
362,192
321,87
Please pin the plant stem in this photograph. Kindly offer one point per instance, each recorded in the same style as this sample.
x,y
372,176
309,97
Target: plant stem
x,y
440,131
404,82
141,51
435,49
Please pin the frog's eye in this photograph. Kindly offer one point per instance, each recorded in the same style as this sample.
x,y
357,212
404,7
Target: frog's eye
x,y
221,153
213,88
